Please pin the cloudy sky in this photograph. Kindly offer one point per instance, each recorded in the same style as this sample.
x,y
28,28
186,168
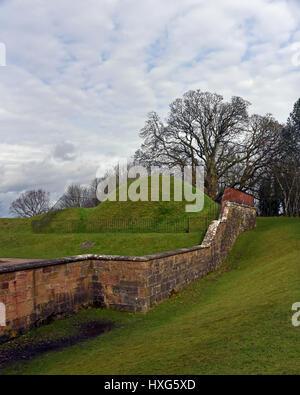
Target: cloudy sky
x,y
81,76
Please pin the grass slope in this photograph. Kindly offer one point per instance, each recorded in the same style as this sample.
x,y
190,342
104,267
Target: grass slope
x,y
147,209
113,213
18,241
234,321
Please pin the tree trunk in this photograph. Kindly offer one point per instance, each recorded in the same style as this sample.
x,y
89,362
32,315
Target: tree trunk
x,y
211,185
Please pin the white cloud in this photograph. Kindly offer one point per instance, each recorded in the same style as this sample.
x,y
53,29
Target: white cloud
x,y
87,73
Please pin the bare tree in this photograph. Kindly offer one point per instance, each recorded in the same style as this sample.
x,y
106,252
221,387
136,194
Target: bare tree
x,y
75,196
258,145
202,129
31,203
93,191
285,166
287,175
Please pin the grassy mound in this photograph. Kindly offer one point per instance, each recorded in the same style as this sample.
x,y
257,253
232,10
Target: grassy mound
x,y
234,321
65,231
133,216
147,209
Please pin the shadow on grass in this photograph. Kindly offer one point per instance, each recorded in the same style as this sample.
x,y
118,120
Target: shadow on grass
x,y
31,349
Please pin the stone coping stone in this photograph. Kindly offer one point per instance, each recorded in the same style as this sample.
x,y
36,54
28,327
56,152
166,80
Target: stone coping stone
x,y
90,257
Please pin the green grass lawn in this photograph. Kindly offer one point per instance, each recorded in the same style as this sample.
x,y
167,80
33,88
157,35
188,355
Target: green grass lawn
x,y
18,241
234,321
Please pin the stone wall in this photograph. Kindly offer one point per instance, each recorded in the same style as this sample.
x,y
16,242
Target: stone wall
x,y
233,195
37,292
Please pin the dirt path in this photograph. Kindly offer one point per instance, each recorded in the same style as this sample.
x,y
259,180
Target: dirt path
x,y
14,261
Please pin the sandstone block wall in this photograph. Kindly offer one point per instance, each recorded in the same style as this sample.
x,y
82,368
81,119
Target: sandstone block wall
x,y
35,293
